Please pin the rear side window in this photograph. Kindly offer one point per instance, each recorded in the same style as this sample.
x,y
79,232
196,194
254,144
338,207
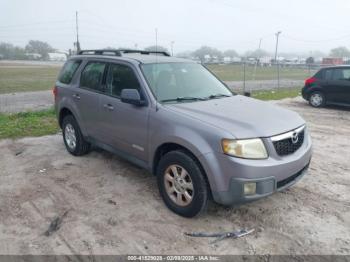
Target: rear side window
x,y
121,77
328,74
319,74
341,74
92,75
68,71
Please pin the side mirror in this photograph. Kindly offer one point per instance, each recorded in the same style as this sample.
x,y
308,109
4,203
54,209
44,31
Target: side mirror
x,y
131,96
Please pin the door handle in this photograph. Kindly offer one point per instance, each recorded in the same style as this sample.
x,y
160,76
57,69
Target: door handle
x,y
109,107
76,96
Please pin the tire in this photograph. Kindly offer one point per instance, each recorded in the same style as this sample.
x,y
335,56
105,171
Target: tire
x,y
73,138
317,99
168,181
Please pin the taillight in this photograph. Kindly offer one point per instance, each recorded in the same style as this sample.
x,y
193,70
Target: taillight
x,y
54,91
310,81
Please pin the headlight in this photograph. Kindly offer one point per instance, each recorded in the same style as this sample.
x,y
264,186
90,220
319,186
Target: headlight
x,y
245,148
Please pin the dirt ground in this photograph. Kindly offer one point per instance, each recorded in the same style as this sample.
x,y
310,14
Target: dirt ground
x,y
114,207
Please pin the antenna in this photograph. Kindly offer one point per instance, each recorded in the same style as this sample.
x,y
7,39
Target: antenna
x,y
156,91
172,47
77,29
156,39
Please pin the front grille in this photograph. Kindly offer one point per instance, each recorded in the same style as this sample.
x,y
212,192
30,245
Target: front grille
x,y
290,179
286,146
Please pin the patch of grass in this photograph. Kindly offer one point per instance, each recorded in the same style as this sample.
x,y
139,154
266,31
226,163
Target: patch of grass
x,y
236,72
38,123
276,94
27,78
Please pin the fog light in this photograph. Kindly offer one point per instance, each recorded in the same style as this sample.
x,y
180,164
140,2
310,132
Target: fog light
x,y
249,189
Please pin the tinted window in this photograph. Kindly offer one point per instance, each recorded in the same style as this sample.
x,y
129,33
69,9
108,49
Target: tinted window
x,y
328,74
319,74
121,77
68,71
92,76
341,74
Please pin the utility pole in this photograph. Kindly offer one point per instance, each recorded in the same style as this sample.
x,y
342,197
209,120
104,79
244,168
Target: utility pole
x,y
257,59
276,60
244,75
77,29
156,39
172,47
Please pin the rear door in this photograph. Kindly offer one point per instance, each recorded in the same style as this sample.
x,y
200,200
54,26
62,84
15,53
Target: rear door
x,y
339,85
88,95
125,126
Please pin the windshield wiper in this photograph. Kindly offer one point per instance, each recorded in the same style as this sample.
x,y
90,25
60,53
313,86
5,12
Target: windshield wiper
x,y
217,96
180,99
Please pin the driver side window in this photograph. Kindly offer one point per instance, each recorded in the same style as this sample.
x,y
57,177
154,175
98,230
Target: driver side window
x,y
121,77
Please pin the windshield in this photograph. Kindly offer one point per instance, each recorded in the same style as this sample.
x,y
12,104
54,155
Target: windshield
x,y
183,82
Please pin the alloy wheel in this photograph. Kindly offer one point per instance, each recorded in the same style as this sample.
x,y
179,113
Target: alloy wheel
x,y
316,100
178,185
70,137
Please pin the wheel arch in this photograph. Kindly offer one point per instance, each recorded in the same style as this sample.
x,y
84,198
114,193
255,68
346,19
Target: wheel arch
x,y
171,146
315,89
63,113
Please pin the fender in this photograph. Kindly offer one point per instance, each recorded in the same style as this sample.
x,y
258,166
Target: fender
x,y
66,103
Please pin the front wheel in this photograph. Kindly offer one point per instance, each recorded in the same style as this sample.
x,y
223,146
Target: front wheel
x,y
317,99
182,184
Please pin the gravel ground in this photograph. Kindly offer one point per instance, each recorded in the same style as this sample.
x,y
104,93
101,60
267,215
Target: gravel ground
x,y
25,101
114,207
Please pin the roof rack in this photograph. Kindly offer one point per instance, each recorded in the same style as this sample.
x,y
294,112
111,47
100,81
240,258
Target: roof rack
x,y
120,52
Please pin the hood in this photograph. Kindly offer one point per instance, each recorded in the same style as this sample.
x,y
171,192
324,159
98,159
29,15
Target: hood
x,y
242,116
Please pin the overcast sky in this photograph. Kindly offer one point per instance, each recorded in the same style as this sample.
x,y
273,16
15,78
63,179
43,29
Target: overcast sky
x,y
306,25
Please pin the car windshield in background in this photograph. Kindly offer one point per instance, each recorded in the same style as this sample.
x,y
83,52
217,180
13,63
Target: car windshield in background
x,y
183,82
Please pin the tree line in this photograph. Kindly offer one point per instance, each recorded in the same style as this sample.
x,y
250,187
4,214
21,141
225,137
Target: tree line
x,y
10,51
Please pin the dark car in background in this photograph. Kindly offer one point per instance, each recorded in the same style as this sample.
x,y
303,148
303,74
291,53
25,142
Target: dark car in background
x,y
330,85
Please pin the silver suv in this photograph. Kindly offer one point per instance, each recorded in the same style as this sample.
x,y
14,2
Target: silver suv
x,y
176,119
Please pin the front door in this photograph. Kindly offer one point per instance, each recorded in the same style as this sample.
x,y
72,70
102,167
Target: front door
x,y
125,126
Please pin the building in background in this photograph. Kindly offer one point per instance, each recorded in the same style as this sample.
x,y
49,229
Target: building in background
x,y
57,57
33,56
332,61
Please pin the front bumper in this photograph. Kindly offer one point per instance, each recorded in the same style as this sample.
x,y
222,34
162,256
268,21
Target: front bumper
x,y
227,175
264,187
305,93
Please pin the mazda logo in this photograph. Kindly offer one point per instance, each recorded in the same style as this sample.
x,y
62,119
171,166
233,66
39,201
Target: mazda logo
x,y
295,138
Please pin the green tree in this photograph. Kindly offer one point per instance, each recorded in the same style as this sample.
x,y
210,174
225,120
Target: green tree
x,y
341,51
39,47
230,53
9,51
257,53
310,60
206,50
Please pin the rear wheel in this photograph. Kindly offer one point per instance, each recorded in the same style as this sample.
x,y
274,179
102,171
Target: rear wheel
x,y
182,184
73,138
317,99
